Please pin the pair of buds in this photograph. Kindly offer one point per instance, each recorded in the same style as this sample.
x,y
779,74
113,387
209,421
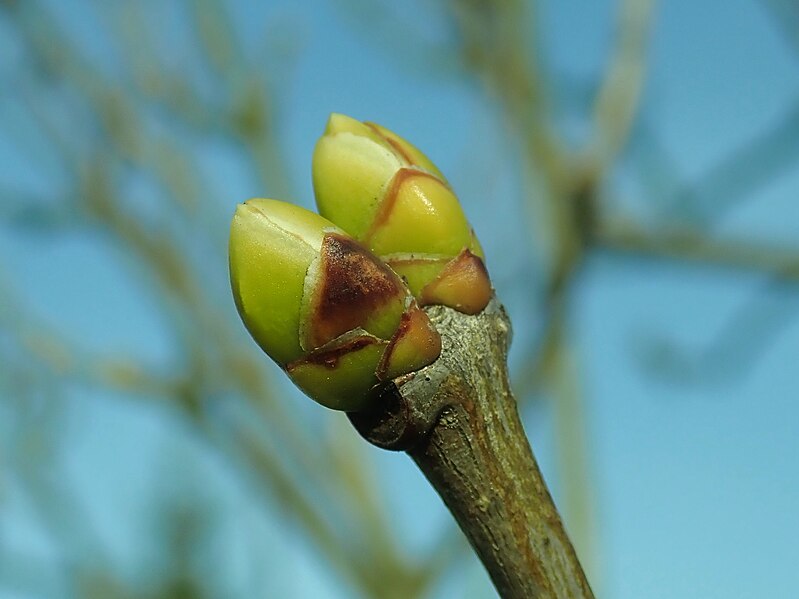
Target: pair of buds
x,y
336,299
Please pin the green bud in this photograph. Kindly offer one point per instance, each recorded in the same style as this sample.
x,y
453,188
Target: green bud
x,y
335,317
387,194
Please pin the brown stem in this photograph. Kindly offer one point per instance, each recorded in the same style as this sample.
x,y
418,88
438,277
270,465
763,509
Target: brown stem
x,y
457,419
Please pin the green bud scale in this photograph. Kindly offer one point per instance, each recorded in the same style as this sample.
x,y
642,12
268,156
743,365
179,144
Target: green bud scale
x,y
332,315
388,195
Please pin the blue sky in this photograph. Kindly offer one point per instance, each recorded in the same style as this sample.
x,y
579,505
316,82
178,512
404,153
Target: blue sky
x,y
696,477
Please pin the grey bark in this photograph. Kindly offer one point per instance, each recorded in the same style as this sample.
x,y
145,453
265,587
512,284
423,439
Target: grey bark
x,y
458,420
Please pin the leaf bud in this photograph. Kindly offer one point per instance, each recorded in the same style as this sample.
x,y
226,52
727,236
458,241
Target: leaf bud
x,y
331,314
387,194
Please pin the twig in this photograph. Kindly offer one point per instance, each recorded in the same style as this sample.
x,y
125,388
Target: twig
x,y
457,419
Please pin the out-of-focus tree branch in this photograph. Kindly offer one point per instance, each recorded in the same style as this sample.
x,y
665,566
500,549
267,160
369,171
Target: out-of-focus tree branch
x,y
732,352
499,47
785,15
620,93
739,175
500,50
117,137
142,119
692,245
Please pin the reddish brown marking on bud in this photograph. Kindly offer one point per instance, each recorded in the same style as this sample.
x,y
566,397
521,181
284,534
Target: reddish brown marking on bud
x,y
390,198
392,142
352,284
463,284
330,357
402,331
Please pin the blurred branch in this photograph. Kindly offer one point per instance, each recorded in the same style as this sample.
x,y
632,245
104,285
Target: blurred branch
x,y
692,245
749,168
358,482
367,570
498,49
253,116
26,211
217,35
735,349
785,16
119,126
266,467
121,115
36,468
579,501
620,93
496,44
